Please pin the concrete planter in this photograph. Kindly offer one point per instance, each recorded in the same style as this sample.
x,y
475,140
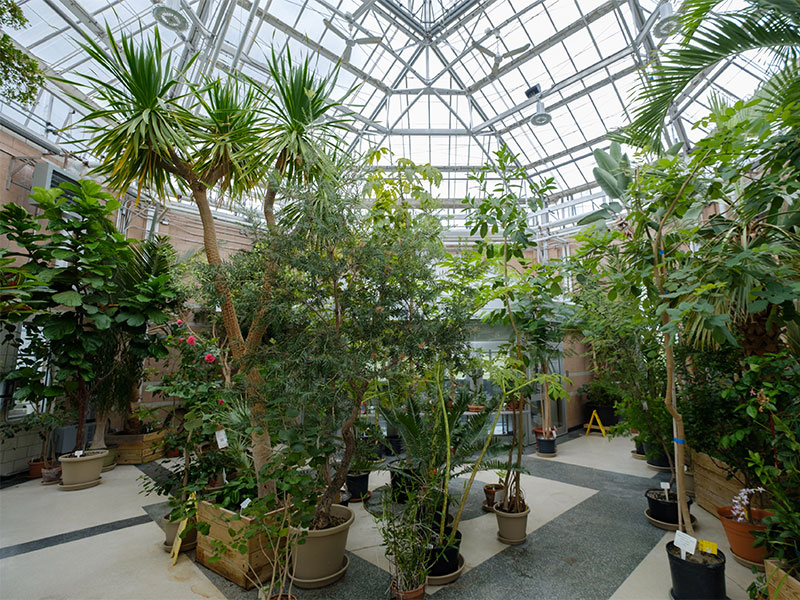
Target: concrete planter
x,y
81,472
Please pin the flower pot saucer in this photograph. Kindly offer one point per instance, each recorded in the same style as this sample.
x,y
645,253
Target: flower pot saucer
x,y
511,542
310,584
185,546
57,481
672,595
748,563
109,467
638,456
486,507
450,577
666,526
79,486
546,455
363,498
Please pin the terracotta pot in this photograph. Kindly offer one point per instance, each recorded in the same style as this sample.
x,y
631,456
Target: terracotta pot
x,y
35,468
511,527
740,535
782,586
172,453
491,490
476,408
417,594
320,559
82,470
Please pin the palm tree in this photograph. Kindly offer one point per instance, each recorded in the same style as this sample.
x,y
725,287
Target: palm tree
x,y
224,140
771,27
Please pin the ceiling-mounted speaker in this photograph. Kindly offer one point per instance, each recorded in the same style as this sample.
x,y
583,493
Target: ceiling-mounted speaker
x,y
533,91
541,116
170,15
668,22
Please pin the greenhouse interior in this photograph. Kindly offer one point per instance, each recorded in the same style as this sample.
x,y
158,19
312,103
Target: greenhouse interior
x,y
400,299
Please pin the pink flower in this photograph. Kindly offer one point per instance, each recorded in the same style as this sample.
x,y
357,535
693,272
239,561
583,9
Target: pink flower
x,y
210,358
220,401
180,339
191,340
179,322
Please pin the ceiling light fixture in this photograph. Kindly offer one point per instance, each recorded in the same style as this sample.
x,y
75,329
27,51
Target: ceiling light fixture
x,y
541,117
668,22
169,14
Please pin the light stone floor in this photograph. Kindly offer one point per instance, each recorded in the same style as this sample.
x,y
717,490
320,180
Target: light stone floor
x,y
99,543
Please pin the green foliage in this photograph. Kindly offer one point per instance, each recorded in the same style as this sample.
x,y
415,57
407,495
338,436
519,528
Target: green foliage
x,y
83,304
21,77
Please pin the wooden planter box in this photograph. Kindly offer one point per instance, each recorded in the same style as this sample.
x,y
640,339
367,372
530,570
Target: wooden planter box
x,y
777,577
711,488
240,568
138,448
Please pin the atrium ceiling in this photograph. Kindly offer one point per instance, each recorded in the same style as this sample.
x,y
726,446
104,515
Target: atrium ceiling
x,y
444,82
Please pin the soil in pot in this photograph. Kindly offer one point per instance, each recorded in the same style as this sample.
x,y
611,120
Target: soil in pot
x,y
663,509
35,468
358,485
701,576
511,527
740,535
444,560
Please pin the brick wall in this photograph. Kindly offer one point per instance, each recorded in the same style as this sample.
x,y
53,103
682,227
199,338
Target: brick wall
x,y
17,451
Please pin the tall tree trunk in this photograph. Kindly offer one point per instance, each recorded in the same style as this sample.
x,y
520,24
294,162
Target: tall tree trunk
x,y
80,434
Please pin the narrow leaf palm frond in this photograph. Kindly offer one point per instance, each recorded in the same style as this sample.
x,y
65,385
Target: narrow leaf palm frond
x,y
720,37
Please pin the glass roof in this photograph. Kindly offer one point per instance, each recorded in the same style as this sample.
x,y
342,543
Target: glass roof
x,y
440,82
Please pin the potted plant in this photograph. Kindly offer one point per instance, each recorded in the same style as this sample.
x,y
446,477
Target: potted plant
x,y
81,306
741,521
698,575
406,538
494,492
602,394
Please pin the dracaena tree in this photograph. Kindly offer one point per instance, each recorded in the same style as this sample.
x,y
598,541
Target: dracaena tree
x,y
232,136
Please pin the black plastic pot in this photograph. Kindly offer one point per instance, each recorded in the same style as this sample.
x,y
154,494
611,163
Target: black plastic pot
x,y
397,445
443,561
402,480
695,581
606,413
358,485
661,509
659,460
639,447
546,445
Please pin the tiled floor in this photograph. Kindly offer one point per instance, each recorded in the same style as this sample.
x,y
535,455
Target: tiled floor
x,y
587,538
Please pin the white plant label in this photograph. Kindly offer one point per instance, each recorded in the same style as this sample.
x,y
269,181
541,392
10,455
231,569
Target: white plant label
x,y
685,543
665,485
245,503
644,405
222,439
78,453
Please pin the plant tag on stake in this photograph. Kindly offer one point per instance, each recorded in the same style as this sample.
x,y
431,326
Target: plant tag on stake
x,y
78,453
665,486
707,547
685,543
222,439
245,503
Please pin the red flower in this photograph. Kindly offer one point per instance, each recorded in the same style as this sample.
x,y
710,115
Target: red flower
x,y
191,340
179,322
210,358
220,401
180,339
